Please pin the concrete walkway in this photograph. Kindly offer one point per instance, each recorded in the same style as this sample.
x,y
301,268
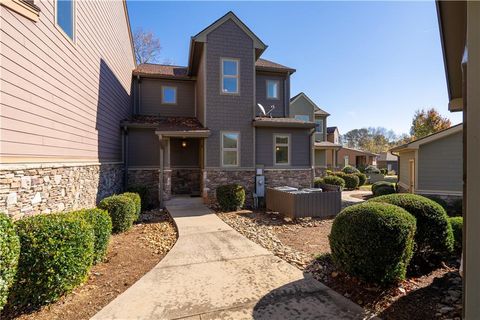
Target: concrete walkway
x,y
213,272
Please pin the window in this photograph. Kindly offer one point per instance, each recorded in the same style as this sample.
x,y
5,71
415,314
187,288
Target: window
x,y
345,159
272,89
65,16
169,95
319,125
302,117
282,149
230,147
230,78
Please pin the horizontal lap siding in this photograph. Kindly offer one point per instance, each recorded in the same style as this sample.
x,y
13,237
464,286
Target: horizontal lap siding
x,y
60,99
404,164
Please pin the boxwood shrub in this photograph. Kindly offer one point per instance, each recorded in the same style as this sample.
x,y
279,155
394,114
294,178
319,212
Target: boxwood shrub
x,y
372,169
351,181
317,182
457,228
335,180
231,197
362,178
144,194
434,232
56,254
137,200
381,188
101,223
9,253
122,211
350,170
373,241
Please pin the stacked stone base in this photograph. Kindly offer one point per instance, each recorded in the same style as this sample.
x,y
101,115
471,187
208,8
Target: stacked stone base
x,y
150,177
41,188
186,180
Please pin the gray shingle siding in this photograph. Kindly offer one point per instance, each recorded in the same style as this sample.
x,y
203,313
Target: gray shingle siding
x,y
261,91
143,146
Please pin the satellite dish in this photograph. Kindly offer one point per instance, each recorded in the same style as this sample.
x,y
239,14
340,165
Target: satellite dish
x,y
262,109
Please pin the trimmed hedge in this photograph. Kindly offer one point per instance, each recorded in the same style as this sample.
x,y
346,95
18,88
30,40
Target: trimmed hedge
x,y
334,180
381,188
317,182
457,228
434,232
122,211
373,241
137,200
231,197
9,253
57,253
372,169
101,224
143,192
350,170
383,171
351,180
362,178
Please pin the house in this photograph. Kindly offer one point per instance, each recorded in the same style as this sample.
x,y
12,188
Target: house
x,y
386,160
325,144
197,127
66,69
356,158
432,165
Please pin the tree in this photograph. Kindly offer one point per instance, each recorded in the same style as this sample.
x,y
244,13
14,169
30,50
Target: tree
x,y
426,122
147,46
374,140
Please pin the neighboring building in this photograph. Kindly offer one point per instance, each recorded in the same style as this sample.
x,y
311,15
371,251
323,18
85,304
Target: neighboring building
x,y
66,75
356,158
197,127
386,160
326,145
432,165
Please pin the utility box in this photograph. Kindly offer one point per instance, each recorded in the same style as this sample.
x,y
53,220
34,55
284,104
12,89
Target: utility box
x,y
260,186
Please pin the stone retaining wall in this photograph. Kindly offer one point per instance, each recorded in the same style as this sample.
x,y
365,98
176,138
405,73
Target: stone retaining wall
x,y
45,189
149,177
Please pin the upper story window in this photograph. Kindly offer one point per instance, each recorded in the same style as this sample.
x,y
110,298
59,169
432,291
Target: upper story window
x,y
302,117
272,89
230,76
169,95
319,125
282,149
65,17
230,149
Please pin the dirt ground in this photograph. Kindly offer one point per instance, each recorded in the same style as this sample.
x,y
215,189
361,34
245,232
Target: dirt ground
x,y
130,256
310,240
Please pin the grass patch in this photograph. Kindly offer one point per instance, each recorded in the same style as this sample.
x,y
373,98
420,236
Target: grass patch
x,y
367,187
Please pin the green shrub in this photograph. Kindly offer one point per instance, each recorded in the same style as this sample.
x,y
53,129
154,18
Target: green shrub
x,y
351,181
101,224
350,170
328,172
457,228
362,178
122,211
334,180
231,197
56,255
383,171
373,241
135,197
143,192
317,182
372,169
381,188
434,232
9,253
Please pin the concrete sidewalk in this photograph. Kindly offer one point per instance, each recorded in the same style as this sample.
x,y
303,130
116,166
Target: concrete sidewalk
x,y
213,272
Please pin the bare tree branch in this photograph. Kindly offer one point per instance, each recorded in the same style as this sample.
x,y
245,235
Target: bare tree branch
x,y
147,46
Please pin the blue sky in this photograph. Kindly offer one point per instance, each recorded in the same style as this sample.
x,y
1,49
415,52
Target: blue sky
x,y
366,63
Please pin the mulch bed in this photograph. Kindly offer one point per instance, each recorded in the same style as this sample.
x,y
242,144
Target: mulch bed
x,y
130,255
435,294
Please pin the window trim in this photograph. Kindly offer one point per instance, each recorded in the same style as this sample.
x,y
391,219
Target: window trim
x,y
23,8
302,115
222,76
288,145
237,149
323,124
74,22
278,89
163,95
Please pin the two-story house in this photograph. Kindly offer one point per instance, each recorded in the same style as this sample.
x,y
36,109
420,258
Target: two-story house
x,y
197,127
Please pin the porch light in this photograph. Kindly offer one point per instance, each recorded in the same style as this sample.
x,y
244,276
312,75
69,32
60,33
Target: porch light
x,y
184,143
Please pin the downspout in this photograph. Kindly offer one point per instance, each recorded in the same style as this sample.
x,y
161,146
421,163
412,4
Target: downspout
x,y
125,157
139,95
312,154
160,174
286,89
398,167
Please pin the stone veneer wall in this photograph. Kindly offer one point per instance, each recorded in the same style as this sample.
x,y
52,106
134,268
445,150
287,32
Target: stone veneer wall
x,y
50,188
186,180
149,178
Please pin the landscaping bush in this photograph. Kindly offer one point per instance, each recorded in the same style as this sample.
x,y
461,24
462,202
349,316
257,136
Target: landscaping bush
x,y
122,211
457,228
373,241
372,169
328,172
350,170
135,197
362,178
381,188
434,232
56,254
9,253
383,171
351,181
317,182
334,180
101,224
231,197
144,193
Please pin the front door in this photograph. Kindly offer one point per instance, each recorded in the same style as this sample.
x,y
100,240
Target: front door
x,y
411,173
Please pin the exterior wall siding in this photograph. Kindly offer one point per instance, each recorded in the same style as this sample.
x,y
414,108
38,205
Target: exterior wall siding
x,y
188,156
200,90
261,94
63,100
322,136
404,165
143,148
229,112
301,107
320,158
151,98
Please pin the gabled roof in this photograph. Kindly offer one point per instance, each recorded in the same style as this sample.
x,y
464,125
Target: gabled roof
x,y
361,151
412,145
160,70
387,156
317,110
331,130
327,145
267,65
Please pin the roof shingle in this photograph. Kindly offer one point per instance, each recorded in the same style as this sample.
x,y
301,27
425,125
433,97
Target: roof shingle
x,y
146,69
165,123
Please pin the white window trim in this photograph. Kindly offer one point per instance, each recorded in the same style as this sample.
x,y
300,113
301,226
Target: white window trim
x,y
222,76
278,89
74,22
288,145
321,127
163,95
21,8
222,149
